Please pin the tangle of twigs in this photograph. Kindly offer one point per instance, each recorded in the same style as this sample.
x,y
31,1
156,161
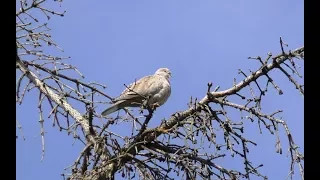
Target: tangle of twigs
x,y
177,145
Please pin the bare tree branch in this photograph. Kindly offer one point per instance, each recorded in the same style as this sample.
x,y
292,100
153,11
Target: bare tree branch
x,y
178,145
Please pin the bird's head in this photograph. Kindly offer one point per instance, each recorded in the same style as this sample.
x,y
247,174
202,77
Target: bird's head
x,y
164,72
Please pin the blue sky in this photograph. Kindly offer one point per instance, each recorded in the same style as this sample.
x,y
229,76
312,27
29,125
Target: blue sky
x,y
116,42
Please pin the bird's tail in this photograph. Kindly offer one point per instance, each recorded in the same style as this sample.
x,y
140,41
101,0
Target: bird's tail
x,y
111,109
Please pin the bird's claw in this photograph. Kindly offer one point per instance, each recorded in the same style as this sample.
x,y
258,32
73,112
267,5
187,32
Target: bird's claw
x,y
155,105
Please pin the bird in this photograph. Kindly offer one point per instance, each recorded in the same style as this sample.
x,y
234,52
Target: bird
x,y
152,91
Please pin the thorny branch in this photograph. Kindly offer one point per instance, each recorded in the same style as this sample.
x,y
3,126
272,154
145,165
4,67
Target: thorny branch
x,y
187,144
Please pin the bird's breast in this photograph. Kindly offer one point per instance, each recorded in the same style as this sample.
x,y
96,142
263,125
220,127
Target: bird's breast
x,y
163,93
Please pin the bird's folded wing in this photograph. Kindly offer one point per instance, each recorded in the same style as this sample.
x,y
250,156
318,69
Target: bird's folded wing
x,y
144,87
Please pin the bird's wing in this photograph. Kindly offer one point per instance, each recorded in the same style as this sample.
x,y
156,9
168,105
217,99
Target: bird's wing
x,y
148,85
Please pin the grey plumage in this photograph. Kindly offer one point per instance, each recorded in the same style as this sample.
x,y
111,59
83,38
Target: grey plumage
x,y
157,87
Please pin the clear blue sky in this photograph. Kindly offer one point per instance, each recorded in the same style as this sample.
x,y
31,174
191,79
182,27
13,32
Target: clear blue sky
x,y
115,42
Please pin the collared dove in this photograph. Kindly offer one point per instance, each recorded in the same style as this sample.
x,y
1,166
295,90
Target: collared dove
x,y
156,89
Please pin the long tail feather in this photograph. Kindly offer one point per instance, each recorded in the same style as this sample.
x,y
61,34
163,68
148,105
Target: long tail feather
x,y
111,109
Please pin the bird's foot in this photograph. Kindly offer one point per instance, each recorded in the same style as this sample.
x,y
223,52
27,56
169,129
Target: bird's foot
x,y
154,106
